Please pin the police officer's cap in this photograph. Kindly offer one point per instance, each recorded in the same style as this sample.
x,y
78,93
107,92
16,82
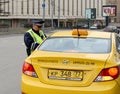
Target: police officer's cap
x,y
38,22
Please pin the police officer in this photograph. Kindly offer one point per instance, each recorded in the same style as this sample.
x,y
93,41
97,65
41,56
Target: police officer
x,y
34,36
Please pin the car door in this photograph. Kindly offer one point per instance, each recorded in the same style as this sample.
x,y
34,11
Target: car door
x,y
117,41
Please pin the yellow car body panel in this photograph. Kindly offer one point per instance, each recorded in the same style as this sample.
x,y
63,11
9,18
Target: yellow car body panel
x,y
34,86
90,34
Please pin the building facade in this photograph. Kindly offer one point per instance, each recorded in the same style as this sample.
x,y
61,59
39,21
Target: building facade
x,y
56,12
115,19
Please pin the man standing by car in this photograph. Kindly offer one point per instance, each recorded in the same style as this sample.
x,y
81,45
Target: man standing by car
x,y
34,36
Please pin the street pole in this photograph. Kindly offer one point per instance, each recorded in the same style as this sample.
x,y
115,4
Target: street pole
x,y
52,4
58,13
43,5
107,20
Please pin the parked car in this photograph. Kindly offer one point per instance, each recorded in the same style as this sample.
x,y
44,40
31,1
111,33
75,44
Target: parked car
x,y
118,29
81,26
96,26
74,62
85,26
110,28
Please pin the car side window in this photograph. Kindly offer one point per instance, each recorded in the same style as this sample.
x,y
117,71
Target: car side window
x,y
118,43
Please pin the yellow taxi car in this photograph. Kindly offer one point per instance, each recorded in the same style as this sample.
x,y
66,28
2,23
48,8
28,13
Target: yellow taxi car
x,y
74,62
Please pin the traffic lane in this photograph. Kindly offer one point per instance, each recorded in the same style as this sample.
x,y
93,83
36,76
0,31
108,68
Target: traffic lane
x,y
12,56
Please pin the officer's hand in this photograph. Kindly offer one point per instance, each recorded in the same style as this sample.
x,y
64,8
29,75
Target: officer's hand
x,y
45,35
34,45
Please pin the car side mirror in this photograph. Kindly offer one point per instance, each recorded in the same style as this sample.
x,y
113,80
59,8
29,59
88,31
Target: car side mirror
x,y
118,48
117,31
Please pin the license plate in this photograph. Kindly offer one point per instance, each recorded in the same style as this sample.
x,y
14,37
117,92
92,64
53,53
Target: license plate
x,y
65,75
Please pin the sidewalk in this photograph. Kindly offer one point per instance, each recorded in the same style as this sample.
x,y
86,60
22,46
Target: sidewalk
x,y
114,24
7,31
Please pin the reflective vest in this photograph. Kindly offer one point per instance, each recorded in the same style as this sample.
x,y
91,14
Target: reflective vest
x,y
36,37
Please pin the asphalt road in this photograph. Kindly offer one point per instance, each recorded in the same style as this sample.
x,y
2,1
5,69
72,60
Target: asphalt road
x,y
12,55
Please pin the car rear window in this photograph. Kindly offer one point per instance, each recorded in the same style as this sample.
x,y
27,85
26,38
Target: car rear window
x,y
77,45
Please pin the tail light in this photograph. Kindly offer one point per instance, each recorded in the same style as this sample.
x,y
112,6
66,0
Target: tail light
x,y
29,70
108,74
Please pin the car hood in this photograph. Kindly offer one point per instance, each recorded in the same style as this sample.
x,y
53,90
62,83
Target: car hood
x,y
89,64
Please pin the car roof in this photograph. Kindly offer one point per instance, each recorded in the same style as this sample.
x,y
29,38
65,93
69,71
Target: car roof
x,y
91,33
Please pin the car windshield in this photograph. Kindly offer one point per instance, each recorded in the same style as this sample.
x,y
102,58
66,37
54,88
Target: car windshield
x,y
77,45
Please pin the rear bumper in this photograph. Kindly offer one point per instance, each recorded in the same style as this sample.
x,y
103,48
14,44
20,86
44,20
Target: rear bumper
x,y
34,86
